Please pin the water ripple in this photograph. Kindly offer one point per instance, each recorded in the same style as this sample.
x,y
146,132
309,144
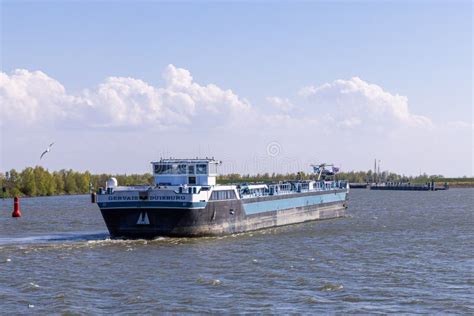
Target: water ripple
x,y
396,252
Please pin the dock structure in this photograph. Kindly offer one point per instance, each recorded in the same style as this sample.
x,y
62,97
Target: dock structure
x,y
358,185
407,186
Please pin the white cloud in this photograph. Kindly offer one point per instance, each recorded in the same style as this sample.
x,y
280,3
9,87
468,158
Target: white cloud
x,y
27,96
123,101
283,104
363,119
118,101
127,102
355,102
351,122
311,90
179,82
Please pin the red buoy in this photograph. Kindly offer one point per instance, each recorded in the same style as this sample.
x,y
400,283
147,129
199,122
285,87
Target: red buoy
x,y
16,207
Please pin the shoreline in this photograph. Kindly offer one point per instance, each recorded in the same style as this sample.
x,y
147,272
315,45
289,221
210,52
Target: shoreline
x,y
451,186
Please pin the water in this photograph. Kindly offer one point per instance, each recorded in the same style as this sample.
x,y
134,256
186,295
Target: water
x,y
397,252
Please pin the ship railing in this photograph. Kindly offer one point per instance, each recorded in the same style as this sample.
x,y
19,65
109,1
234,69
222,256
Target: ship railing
x,y
291,188
132,188
330,185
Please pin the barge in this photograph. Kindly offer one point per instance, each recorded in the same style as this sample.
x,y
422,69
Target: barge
x,y
186,201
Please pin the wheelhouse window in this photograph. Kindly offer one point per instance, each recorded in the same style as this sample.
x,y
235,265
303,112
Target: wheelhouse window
x,y
162,168
201,169
191,169
170,169
181,169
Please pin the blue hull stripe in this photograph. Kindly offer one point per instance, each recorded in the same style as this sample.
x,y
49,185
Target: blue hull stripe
x,y
149,204
272,205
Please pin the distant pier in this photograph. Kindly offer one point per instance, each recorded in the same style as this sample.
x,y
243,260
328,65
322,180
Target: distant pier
x,y
406,186
358,185
400,186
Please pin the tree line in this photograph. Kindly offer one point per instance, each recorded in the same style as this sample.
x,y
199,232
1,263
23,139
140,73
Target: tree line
x,y
351,176
38,181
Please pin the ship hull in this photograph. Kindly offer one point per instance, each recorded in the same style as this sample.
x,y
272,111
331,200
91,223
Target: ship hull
x,y
218,218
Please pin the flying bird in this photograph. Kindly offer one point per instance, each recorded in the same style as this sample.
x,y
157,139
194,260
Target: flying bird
x,y
47,150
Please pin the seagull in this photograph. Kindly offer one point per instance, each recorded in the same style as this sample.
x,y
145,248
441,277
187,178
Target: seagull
x,y
47,150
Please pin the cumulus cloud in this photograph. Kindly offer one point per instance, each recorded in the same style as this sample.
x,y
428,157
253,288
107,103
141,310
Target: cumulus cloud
x,y
130,102
283,104
33,96
346,112
118,101
356,102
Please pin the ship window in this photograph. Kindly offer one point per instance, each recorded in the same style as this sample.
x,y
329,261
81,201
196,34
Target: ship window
x,y
162,169
192,180
191,169
176,169
181,169
170,169
223,195
201,169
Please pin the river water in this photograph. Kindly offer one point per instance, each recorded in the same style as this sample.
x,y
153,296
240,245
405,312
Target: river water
x,y
396,252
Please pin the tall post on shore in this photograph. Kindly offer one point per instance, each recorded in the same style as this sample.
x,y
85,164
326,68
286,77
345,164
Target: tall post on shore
x,y
375,170
378,170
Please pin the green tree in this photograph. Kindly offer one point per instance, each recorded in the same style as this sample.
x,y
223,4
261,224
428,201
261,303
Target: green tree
x,y
70,184
82,182
28,183
40,176
58,181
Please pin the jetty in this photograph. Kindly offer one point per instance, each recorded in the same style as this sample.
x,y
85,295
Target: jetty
x,y
358,185
407,186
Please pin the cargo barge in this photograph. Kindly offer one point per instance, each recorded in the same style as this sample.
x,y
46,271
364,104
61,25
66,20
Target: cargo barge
x,y
185,201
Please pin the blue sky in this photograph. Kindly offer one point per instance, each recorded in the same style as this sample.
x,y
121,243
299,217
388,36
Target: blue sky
x,y
419,50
